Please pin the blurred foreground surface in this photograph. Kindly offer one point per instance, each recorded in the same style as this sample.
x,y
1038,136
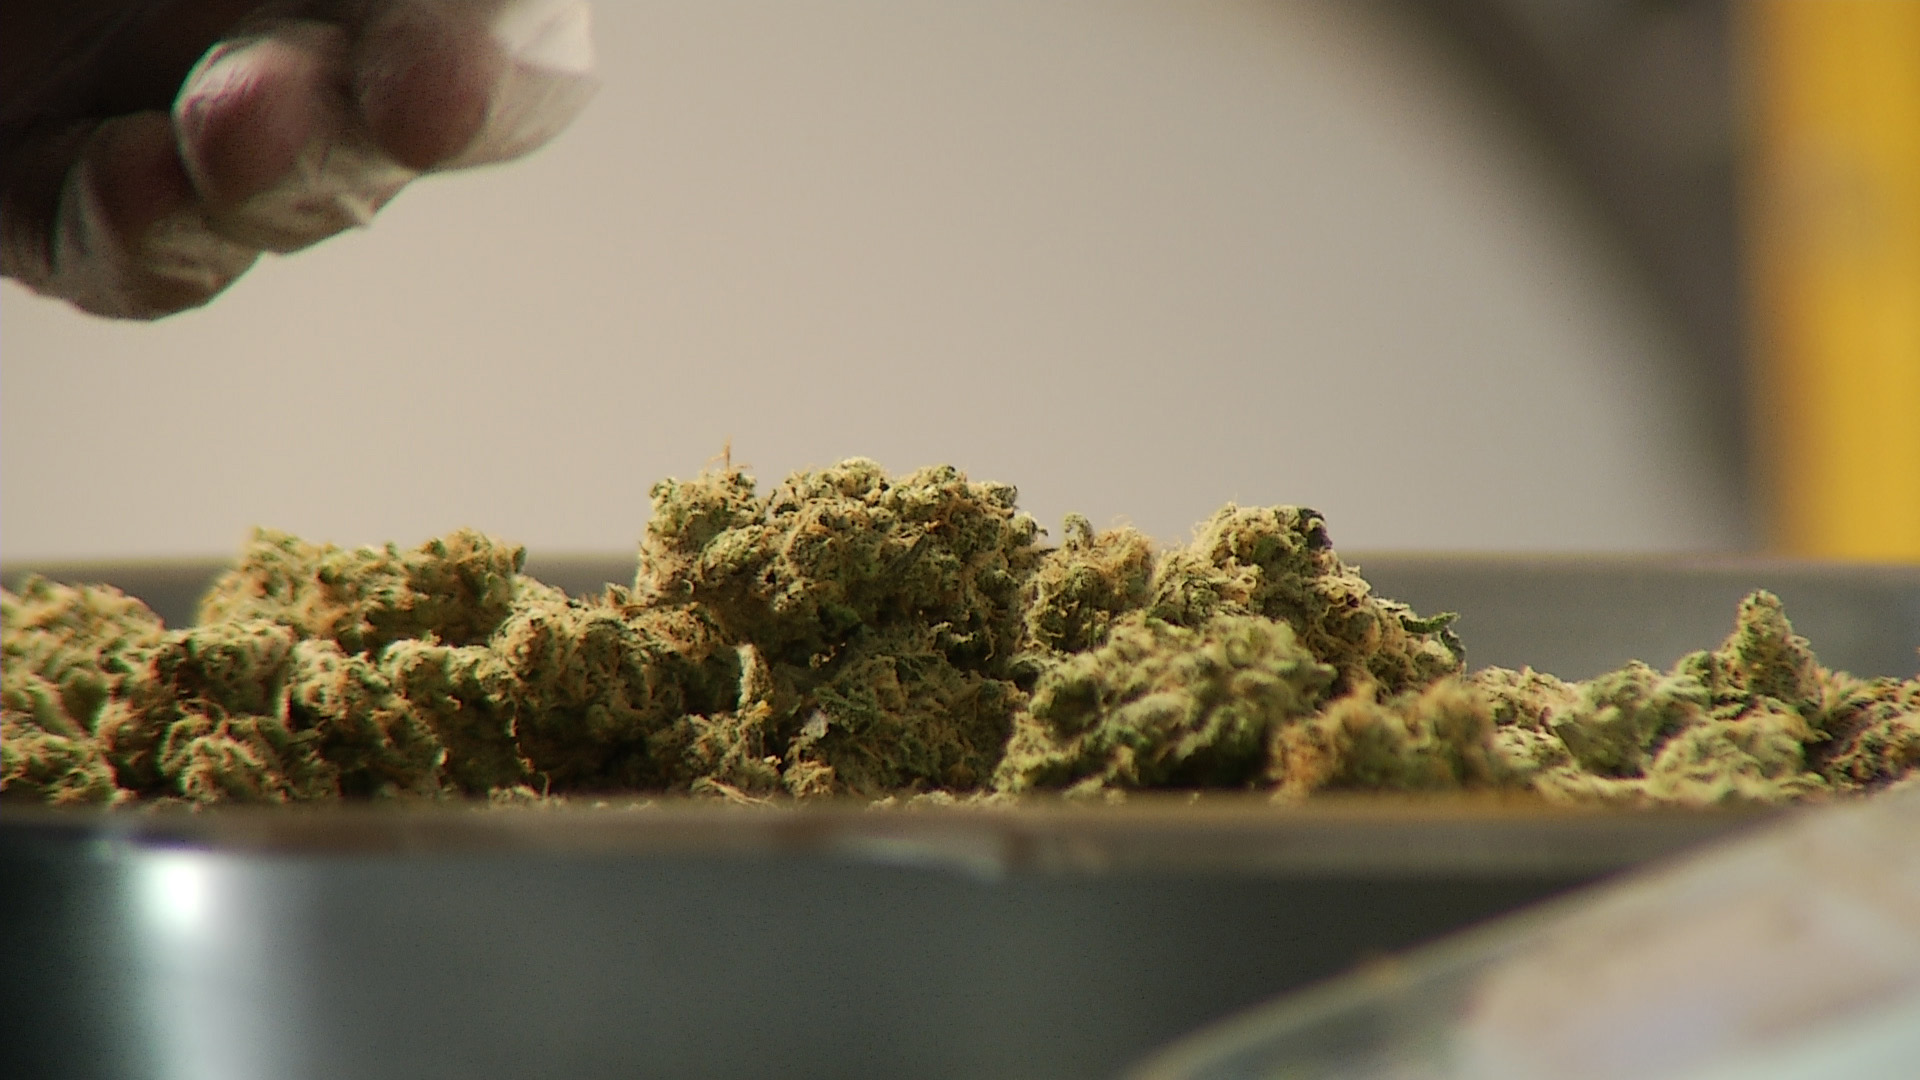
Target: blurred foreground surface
x,y
683,941
1789,954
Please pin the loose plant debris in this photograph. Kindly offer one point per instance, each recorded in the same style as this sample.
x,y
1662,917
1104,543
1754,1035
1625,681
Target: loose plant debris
x,y
850,634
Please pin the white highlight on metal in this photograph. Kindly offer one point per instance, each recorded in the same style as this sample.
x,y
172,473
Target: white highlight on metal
x,y
222,998
176,892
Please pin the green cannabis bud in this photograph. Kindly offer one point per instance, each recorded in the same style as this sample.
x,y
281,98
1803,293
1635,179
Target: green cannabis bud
x,y
854,634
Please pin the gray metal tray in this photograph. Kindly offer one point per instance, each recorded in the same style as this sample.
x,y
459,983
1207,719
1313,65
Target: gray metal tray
x,y
830,941
682,941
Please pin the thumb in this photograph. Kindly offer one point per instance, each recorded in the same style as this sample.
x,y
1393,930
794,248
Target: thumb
x,y
303,128
102,214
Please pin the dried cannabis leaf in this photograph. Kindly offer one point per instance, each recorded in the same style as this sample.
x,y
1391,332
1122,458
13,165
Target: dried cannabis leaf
x,y
851,633
830,553
887,612
1869,731
378,745
896,714
590,682
1423,740
1079,589
456,589
68,653
1161,705
1756,720
1278,562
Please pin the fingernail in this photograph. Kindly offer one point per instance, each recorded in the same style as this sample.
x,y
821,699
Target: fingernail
x,y
175,263
335,179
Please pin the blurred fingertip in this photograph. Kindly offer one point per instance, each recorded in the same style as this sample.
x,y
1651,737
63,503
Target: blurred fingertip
x,y
423,76
249,110
129,237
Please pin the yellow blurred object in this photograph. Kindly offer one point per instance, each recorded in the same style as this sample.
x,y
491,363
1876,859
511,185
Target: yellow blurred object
x,y
1834,254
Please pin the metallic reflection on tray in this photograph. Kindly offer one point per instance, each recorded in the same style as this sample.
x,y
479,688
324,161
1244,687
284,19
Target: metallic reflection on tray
x,y
688,941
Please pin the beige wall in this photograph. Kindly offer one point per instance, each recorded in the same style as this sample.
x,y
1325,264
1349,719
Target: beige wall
x,y
1138,258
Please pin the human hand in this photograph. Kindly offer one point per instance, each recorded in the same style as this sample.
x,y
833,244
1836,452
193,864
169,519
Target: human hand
x,y
136,182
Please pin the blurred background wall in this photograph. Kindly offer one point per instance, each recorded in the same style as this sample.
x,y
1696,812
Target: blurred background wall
x,y
1138,258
